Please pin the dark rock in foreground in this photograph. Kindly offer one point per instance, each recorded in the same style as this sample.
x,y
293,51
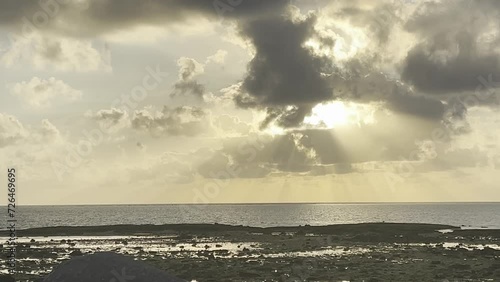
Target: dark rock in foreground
x,y
108,267
6,278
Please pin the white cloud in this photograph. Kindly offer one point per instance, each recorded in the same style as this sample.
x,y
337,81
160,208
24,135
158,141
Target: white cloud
x,y
39,93
189,68
61,54
48,133
11,130
219,57
14,133
112,120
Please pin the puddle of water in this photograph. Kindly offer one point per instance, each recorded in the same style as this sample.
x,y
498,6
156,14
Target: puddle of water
x,y
444,231
450,245
338,251
79,238
136,244
470,247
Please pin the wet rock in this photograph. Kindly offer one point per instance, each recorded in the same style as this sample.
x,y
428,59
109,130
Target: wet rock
x,y
460,266
488,251
248,274
76,253
439,276
7,278
107,267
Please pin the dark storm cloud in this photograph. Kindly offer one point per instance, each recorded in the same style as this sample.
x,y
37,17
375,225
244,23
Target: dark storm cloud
x,y
456,47
284,77
369,86
283,71
417,106
288,79
457,74
90,17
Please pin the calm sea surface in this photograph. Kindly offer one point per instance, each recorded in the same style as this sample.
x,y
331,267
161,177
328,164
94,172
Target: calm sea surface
x,y
469,214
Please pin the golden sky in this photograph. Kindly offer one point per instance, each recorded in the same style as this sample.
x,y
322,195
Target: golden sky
x,y
171,101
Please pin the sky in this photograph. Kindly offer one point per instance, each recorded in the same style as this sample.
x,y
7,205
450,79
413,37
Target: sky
x,y
250,101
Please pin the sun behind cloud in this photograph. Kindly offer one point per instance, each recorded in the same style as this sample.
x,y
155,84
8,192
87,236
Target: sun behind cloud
x,y
337,113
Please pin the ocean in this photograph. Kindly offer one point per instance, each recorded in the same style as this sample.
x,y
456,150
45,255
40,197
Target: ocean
x,y
470,215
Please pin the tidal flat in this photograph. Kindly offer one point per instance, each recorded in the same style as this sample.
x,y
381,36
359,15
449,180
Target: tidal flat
x,y
215,252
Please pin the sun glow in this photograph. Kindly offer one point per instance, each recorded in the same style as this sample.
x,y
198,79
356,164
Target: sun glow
x,y
335,114
329,115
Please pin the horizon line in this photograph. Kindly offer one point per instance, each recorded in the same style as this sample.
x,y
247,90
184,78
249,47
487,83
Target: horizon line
x,y
258,203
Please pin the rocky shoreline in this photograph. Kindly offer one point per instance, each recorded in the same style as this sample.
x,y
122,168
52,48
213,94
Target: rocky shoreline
x,y
352,252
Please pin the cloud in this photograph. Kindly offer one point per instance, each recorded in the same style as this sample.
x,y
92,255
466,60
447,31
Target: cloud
x,y
257,22
189,70
370,86
220,166
180,121
11,130
218,58
41,93
232,125
48,133
457,45
285,76
166,168
187,84
283,72
67,17
391,138
56,53
376,17
112,120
